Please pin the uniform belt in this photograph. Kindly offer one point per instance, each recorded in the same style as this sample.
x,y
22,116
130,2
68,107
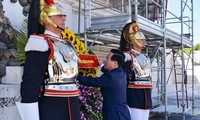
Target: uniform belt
x,y
59,83
140,84
142,79
67,90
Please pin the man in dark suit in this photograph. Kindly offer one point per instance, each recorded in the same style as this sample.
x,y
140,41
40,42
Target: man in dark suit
x,y
113,87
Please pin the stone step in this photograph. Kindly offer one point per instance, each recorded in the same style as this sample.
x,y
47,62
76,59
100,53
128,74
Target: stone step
x,y
13,75
9,94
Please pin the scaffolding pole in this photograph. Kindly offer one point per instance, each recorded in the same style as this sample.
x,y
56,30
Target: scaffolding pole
x,y
183,64
136,10
193,106
164,55
79,17
85,26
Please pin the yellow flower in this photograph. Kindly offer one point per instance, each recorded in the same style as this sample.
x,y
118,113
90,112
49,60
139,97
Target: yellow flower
x,y
90,75
94,71
77,48
82,71
87,70
72,37
86,52
64,34
81,47
77,41
67,34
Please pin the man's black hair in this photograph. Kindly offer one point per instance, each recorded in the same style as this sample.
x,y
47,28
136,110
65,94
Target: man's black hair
x,y
118,56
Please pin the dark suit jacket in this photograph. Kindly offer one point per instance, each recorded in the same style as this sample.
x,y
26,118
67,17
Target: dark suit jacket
x,y
113,88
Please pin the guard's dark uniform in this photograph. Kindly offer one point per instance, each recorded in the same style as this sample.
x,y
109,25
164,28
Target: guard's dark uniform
x,y
54,104
49,71
113,89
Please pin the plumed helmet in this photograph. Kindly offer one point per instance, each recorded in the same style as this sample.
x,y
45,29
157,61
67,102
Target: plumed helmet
x,y
50,8
132,33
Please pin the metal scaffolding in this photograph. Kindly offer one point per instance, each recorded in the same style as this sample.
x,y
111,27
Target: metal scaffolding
x,y
151,15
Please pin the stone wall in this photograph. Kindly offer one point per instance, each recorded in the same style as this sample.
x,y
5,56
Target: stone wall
x,y
7,33
7,42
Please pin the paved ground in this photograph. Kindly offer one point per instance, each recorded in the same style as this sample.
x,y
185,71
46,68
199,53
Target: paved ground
x,y
174,116
175,113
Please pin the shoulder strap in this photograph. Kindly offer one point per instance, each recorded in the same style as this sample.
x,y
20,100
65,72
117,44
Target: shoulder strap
x,y
50,45
132,60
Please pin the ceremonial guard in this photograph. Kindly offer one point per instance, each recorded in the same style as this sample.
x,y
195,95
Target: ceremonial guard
x,y
48,89
137,67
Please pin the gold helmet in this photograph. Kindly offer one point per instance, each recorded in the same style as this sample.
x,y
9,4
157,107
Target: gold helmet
x,y
131,34
49,8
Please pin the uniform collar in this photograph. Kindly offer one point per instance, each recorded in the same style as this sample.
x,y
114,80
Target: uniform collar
x,y
136,53
51,33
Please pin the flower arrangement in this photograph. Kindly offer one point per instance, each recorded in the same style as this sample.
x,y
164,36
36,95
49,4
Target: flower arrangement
x,y
91,98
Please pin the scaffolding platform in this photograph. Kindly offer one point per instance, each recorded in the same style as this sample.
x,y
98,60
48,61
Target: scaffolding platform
x,y
101,26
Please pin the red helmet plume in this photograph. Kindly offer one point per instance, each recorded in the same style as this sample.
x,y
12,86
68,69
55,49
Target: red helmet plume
x,y
49,2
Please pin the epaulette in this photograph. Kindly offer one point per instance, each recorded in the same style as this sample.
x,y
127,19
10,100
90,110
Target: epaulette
x,y
40,43
129,57
36,43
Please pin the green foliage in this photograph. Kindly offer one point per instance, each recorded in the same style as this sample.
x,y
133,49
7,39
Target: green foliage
x,y
185,50
197,47
21,42
189,50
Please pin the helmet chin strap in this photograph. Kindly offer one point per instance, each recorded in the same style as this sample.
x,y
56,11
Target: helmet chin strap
x,y
59,28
